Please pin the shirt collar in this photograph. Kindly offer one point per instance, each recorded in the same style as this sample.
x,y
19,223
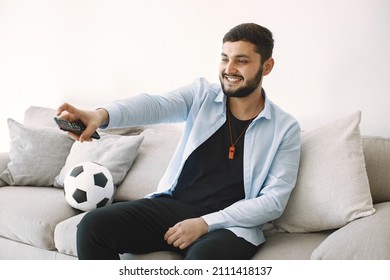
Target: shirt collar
x,y
265,113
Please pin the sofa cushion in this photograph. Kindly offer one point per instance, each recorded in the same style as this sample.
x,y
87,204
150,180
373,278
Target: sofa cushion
x,y
65,235
377,157
159,255
153,158
37,155
363,239
117,153
30,214
65,242
290,246
332,187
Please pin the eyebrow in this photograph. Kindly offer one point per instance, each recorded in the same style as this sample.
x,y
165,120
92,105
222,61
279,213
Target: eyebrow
x,y
236,56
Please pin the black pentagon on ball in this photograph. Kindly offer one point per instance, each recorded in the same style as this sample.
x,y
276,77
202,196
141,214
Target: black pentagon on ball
x,y
80,196
77,171
100,179
102,203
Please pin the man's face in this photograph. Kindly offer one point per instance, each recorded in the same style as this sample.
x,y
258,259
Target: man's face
x,y
240,69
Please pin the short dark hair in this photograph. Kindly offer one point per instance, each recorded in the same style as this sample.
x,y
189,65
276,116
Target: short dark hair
x,y
253,33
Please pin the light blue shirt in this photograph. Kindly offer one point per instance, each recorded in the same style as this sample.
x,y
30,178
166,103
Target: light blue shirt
x,y
271,150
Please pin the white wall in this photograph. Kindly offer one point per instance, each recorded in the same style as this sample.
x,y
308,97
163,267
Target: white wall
x,y
332,57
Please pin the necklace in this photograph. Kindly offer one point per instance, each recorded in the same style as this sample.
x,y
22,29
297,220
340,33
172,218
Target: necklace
x,y
232,147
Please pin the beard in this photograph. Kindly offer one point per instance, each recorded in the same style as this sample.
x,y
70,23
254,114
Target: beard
x,y
246,89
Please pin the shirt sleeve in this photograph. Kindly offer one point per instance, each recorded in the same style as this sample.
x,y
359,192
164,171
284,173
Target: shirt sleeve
x,y
146,109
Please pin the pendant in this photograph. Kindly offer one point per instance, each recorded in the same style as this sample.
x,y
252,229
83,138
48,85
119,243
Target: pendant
x,y
231,152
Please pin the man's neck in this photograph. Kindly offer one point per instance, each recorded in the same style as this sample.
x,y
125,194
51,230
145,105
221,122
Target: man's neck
x,y
246,108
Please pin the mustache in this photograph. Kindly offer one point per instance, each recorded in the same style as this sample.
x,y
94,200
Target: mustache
x,y
232,75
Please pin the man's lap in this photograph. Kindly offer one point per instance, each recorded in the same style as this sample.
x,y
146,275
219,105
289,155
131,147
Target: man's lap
x,y
139,226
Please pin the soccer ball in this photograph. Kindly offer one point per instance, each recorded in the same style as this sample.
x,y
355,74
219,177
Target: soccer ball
x,y
88,186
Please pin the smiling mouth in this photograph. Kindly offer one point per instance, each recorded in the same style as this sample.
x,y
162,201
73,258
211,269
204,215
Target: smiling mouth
x,y
233,78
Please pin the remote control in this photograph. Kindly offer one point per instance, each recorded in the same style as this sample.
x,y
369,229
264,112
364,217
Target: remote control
x,y
76,127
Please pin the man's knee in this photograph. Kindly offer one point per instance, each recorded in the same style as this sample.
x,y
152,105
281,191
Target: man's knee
x,y
90,223
93,237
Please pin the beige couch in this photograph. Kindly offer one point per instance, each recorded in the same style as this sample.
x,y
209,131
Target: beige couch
x,y
340,208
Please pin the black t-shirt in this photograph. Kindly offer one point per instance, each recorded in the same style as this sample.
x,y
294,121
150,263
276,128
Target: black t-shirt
x,y
209,178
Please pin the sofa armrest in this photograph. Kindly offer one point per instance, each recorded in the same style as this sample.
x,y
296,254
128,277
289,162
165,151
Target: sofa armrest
x,y
367,238
4,160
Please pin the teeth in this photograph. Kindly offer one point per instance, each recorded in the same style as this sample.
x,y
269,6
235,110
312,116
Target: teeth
x,y
233,79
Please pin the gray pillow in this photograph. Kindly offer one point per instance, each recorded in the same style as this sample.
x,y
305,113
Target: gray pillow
x,y
36,155
154,156
363,239
117,153
332,186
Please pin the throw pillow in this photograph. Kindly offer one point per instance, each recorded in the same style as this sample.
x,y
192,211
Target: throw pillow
x,y
332,186
36,155
117,153
363,239
155,154
39,117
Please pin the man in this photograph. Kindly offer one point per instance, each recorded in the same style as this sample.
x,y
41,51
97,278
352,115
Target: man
x,y
233,169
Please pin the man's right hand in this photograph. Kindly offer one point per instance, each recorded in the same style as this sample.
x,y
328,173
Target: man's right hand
x,y
92,120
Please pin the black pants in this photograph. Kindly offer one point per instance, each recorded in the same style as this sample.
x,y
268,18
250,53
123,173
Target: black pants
x,y
138,227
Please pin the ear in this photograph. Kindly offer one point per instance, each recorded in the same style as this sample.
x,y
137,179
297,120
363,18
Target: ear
x,y
267,66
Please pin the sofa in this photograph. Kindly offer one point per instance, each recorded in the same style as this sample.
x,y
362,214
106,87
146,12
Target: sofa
x,y
339,208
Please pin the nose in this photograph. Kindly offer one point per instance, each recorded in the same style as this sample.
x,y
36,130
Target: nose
x,y
230,68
